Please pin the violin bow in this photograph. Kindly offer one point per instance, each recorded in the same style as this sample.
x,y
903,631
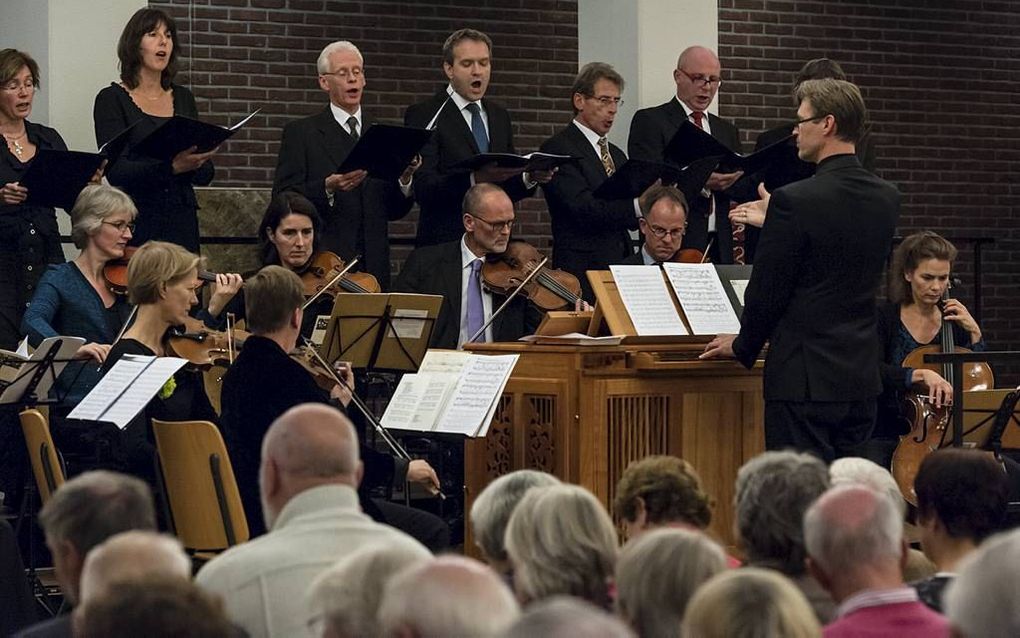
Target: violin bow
x,y
708,247
509,298
332,281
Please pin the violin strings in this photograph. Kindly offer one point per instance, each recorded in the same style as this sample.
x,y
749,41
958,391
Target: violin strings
x,y
558,288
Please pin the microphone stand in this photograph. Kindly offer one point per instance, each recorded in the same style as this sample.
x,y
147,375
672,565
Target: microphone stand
x,y
509,298
332,281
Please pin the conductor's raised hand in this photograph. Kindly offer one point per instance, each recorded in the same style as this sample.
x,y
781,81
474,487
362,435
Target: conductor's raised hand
x,y
752,213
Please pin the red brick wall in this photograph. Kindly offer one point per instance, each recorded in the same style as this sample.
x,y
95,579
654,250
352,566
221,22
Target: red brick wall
x,y
940,80
243,54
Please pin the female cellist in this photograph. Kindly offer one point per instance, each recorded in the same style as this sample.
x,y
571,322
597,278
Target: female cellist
x,y
913,318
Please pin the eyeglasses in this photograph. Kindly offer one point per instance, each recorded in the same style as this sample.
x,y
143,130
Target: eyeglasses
x,y
496,226
343,74
605,100
14,86
809,119
702,80
675,233
121,226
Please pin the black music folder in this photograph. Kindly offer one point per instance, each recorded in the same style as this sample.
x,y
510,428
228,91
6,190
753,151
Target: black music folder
x,y
180,133
691,143
635,175
536,161
56,178
115,146
385,150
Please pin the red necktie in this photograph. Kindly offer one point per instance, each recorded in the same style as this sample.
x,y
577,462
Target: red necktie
x,y
698,116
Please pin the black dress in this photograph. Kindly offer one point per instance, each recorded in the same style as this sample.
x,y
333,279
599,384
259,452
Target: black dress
x,y
167,208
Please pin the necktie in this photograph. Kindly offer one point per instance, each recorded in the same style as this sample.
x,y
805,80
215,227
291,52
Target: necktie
x,y
698,116
607,159
352,123
478,128
475,311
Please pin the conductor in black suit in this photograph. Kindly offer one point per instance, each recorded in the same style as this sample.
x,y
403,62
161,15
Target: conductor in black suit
x,y
663,224
812,293
453,270
697,77
589,233
355,208
465,124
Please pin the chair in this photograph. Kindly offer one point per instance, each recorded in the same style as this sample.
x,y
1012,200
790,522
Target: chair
x,y
199,484
47,465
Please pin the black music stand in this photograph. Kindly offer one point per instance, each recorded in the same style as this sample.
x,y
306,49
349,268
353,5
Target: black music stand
x,y
956,360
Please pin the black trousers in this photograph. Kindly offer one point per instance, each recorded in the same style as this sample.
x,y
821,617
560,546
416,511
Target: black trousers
x,y
425,527
830,430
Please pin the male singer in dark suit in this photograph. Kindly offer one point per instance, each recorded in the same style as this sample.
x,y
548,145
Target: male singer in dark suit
x,y
697,77
816,275
465,124
663,224
589,233
449,270
354,207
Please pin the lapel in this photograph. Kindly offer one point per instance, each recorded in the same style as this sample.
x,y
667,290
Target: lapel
x,y
452,123
449,271
498,143
335,140
675,115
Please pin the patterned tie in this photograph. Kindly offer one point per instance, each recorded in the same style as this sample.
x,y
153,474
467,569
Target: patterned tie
x,y
698,116
607,159
475,311
478,128
352,123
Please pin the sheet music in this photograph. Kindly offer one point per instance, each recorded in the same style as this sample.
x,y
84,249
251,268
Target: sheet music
x,y
418,400
126,389
703,298
22,377
319,330
475,399
444,361
647,300
407,323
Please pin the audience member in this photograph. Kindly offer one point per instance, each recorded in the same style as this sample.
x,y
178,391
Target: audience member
x,y
658,573
84,512
773,491
560,540
749,603
308,481
567,617
962,497
130,557
156,608
491,512
854,540
344,600
446,596
982,601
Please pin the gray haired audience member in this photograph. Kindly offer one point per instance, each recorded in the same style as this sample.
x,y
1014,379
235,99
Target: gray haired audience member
x,y
567,617
983,601
561,541
750,603
773,491
856,550
491,512
446,596
658,573
156,608
344,600
129,557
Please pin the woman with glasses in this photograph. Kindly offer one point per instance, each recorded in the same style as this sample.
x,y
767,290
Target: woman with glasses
x,y
144,98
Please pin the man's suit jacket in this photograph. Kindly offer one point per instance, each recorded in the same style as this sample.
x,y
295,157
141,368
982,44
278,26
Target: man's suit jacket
x,y
588,233
633,259
650,133
812,293
436,270
438,187
356,224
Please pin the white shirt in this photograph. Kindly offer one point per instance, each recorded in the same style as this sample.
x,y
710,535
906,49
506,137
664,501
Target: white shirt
x,y
466,258
462,104
593,139
342,117
263,582
647,258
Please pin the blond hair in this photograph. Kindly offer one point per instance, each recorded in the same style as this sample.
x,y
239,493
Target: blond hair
x,y
154,267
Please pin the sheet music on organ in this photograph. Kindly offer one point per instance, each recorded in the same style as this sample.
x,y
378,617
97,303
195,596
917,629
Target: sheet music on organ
x,y
703,299
648,301
126,389
452,392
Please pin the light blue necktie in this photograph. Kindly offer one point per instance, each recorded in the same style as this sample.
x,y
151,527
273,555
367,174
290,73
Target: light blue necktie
x,y
478,128
475,310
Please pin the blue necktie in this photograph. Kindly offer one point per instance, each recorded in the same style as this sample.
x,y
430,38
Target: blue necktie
x,y
475,311
478,128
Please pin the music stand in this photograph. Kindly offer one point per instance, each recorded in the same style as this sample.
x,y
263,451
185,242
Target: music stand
x,y
38,374
957,359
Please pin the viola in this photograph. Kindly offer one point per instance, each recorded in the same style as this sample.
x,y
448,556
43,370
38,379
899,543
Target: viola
x,y
324,267
689,256
549,289
203,347
115,272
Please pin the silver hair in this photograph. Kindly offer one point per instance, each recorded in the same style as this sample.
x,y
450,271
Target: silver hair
x,y
982,600
750,603
491,511
95,203
857,471
132,556
561,541
773,491
447,596
839,543
658,573
567,617
322,64
347,595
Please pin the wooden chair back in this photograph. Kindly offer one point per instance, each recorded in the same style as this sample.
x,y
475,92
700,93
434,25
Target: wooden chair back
x,y
46,464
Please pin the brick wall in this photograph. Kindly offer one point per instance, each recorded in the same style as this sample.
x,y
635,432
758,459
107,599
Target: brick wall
x,y
940,81
244,54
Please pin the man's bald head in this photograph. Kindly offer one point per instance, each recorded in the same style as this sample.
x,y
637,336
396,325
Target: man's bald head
x,y
696,54
132,556
851,526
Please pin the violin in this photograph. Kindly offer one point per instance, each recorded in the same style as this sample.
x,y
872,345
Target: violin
x,y
115,272
324,377
324,266
202,347
689,256
549,289
929,424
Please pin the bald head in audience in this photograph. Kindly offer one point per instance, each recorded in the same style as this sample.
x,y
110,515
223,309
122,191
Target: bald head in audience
x,y
567,617
447,596
307,446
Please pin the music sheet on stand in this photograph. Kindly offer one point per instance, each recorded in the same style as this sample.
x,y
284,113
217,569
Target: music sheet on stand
x,y
126,389
647,300
418,401
476,397
703,298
